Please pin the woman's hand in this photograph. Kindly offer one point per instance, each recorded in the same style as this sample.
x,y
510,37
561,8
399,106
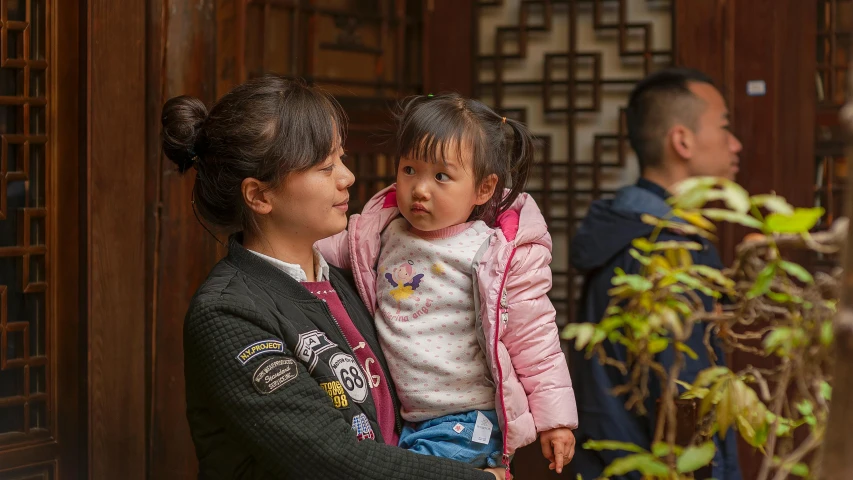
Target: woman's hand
x,y
558,446
499,473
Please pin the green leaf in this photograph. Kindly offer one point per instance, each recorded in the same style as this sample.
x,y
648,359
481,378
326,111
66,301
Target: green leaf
x,y
636,282
800,470
826,333
676,245
713,274
657,345
640,257
780,336
733,217
710,375
774,203
736,197
796,271
763,281
599,445
581,332
682,347
825,390
661,449
805,408
801,221
694,458
693,192
644,463
694,218
643,244
782,297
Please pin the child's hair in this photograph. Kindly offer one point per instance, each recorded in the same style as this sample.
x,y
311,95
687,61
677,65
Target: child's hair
x,y
265,129
430,125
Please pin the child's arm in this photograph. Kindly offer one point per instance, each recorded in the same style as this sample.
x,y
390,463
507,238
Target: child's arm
x,y
533,342
335,250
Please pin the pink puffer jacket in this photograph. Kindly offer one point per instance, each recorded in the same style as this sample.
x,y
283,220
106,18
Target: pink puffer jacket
x,y
515,317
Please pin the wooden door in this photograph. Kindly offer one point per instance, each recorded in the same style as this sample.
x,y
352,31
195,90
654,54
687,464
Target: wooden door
x,y
41,351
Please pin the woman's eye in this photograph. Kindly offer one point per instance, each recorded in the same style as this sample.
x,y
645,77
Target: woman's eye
x,y
344,158
442,177
328,169
408,170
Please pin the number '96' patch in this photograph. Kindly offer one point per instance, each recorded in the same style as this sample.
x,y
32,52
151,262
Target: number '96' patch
x,y
348,372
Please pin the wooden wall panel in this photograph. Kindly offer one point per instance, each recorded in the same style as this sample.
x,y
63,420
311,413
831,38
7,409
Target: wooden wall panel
x,y
182,61
448,47
115,212
737,41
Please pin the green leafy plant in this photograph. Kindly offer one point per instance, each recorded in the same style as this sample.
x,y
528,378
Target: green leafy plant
x,y
768,306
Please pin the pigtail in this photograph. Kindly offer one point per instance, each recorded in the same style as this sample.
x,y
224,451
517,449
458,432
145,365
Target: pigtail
x,y
519,153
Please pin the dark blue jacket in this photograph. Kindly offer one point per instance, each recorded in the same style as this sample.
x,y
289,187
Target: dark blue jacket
x,y
600,246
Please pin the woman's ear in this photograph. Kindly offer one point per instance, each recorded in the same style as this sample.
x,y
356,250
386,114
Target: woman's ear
x,y
254,195
486,189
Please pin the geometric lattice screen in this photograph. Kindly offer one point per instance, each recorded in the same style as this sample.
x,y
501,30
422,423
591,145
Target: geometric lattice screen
x,y
565,68
24,362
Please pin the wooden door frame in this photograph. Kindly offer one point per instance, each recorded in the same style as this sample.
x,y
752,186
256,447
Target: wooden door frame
x,y
64,452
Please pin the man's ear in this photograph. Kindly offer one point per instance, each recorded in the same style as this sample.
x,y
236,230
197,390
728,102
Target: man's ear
x,y
682,141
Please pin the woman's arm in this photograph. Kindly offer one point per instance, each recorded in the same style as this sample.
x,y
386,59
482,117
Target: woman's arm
x,y
287,422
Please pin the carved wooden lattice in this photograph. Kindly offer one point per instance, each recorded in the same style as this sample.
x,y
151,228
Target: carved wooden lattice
x,y
365,52
24,361
566,68
834,29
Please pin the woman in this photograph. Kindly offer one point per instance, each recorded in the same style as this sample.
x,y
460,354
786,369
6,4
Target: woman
x,y
284,375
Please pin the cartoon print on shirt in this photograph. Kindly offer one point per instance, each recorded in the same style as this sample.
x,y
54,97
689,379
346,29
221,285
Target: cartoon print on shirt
x,y
404,280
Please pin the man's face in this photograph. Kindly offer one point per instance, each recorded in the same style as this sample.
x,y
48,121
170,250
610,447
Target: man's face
x,y
714,149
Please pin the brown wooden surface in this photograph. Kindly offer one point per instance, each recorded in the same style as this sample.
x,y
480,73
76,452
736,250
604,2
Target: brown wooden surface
x,y
181,251
115,208
63,454
736,41
448,47
69,260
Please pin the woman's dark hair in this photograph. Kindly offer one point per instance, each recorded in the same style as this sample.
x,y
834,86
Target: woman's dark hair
x,y
265,129
428,126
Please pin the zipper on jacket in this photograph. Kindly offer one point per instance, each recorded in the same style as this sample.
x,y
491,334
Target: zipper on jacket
x,y
397,425
498,360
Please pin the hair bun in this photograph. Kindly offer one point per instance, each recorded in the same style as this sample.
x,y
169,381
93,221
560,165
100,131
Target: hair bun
x,y
182,120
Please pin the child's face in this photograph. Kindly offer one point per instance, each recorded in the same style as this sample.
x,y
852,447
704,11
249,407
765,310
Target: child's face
x,y
432,196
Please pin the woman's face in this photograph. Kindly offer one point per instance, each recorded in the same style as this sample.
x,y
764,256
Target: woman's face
x,y
312,205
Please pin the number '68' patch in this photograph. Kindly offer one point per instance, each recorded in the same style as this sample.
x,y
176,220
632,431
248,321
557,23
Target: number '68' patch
x,y
349,373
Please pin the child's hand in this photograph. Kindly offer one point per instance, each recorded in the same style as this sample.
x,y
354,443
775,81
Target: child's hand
x,y
558,446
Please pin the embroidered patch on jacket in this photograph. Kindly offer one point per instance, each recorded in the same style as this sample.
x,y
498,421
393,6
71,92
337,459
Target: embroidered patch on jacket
x,y
309,345
336,393
349,373
273,374
361,427
260,348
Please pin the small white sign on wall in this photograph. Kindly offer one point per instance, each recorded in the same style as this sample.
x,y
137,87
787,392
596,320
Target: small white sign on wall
x,y
756,88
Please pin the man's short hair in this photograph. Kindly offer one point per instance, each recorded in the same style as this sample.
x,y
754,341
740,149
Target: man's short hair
x,y
657,102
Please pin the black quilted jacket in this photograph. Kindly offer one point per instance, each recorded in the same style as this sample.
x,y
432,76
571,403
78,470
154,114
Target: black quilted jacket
x,y
271,392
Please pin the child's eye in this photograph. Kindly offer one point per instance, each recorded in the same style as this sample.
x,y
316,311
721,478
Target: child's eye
x,y
408,170
442,177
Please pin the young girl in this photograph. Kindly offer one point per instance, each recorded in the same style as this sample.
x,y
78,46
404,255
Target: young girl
x,y
455,269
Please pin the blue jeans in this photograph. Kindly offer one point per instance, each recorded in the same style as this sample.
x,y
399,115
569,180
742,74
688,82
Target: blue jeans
x,y
451,436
